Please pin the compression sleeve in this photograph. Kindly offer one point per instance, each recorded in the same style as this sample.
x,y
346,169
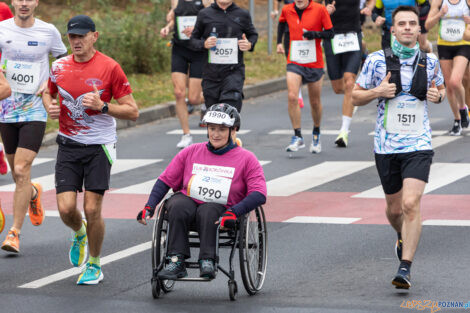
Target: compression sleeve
x,y
159,191
281,29
249,203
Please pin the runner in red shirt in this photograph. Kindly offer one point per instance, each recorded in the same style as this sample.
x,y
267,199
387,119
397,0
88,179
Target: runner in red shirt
x,y
86,81
5,12
308,23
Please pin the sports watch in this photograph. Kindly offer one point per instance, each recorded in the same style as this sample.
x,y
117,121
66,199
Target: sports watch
x,y
105,108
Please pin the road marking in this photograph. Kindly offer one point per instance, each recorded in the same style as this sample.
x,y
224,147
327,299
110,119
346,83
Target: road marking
x,y
443,140
76,271
121,165
441,174
202,131
313,176
304,131
322,220
446,222
146,187
435,133
36,161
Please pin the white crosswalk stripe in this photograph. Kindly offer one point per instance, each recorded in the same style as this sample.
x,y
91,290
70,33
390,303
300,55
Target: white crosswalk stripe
x,y
304,131
202,131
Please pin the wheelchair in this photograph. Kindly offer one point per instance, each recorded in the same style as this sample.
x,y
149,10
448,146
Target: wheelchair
x,y
249,236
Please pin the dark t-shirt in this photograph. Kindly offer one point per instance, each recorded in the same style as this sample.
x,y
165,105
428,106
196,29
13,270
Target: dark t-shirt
x,y
346,18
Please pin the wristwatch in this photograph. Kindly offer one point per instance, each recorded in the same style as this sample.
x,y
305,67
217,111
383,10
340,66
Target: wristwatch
x,y
440,98
105,108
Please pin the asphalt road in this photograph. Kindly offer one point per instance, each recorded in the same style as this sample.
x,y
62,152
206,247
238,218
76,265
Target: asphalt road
x,y
342,263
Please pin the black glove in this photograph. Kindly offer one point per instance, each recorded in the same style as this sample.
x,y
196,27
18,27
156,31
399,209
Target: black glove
x,y
228,219
311,35
147,212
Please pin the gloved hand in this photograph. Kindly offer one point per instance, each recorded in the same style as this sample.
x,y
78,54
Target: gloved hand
x,y
145,215
228,219
311,35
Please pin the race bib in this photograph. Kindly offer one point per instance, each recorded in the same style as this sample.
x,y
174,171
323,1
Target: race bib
x,y
22,76
110,150
225,52
303,51
342,43
209,188
183,22
451,29
404,117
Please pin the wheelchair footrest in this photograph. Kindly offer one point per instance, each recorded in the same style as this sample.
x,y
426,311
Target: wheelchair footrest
x,y
194,279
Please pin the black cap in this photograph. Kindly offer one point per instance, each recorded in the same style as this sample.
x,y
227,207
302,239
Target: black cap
x,y
80,25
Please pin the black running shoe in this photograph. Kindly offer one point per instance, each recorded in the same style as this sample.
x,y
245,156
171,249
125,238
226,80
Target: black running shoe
x,y
403,278
207,269
456,129
175,269
464,119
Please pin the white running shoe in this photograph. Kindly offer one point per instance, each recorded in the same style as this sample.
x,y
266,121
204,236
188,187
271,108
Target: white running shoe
x,y
315,147
296,143
186,140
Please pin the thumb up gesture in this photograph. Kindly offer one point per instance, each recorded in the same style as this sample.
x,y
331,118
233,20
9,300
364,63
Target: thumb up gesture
x,y
331,8
433,93
92,100
387,89
244,44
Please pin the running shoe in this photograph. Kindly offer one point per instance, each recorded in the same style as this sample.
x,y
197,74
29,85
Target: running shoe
x,y
78,252
189,106
12,242
403,278
342,139
464,119
207,269
2,219
315,147
399,248
456,129
175,269
296,143
239,142
201,124
186,140
92,275
36,213
3,163
301,102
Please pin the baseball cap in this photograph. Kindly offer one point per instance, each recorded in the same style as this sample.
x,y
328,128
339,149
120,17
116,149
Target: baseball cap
x,y
80,25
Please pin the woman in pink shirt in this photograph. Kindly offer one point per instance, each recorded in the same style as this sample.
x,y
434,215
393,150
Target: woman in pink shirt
x,y
212,180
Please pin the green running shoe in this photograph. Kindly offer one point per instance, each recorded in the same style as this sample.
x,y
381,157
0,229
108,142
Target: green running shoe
x,y
78,253
92,275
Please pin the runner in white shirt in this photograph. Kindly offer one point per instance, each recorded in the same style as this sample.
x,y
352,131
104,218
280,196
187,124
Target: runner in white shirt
x,y
26,43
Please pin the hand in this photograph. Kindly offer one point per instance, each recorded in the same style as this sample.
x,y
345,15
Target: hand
x,y
227,220
433,94
41,89
380,20
280,49
54,110
164,31
244,44
466,19
145,215
331,7
274,14
188,31
366,11
210,42
310,35
386,89
444,10
92,100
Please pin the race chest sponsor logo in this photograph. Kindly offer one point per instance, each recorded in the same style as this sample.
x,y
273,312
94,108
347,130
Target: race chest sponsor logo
x,y
213,170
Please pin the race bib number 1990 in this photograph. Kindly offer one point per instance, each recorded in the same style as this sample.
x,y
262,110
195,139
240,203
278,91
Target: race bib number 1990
x,y
23,77
209,188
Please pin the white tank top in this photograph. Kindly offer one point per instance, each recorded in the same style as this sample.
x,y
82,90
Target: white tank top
x,y
452,21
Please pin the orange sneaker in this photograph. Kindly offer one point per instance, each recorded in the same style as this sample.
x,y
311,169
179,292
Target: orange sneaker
x,y
36,213
2,219
12,242
3,164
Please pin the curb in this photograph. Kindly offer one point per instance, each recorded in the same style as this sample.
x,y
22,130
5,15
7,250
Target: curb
x,y
165,110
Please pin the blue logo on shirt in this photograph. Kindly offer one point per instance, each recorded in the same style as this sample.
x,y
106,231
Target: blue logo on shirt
x,y
33,43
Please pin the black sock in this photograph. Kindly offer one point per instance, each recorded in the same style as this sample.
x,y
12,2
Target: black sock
x,y
406,264
316,130
399,236
297,132
457,121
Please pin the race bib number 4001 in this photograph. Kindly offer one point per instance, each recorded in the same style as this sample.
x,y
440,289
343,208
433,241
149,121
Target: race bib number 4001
x,y
182,22
225,52
23,77
404,117
451,29
209,188
303,51
342,43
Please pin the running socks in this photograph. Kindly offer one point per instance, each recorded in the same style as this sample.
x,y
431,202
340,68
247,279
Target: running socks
x,y
82,231
94,260
346,123
298,132
406,264
316,130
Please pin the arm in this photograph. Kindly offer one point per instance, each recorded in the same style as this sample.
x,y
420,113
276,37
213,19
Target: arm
x,y
275,11
326,34
367,10
249,203
281,28
5,90
159,190
362,96
435,14
49,100
196,41
251,34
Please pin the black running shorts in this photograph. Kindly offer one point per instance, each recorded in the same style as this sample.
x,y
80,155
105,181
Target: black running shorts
x,y
394,168
450,52
27,135
78,164
183,59
228,90
309,74
338,64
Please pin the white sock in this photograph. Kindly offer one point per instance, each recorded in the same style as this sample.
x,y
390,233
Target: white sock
x,y
346,123
300,93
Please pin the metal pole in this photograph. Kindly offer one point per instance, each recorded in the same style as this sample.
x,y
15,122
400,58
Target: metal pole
x,y
270,27
252,11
